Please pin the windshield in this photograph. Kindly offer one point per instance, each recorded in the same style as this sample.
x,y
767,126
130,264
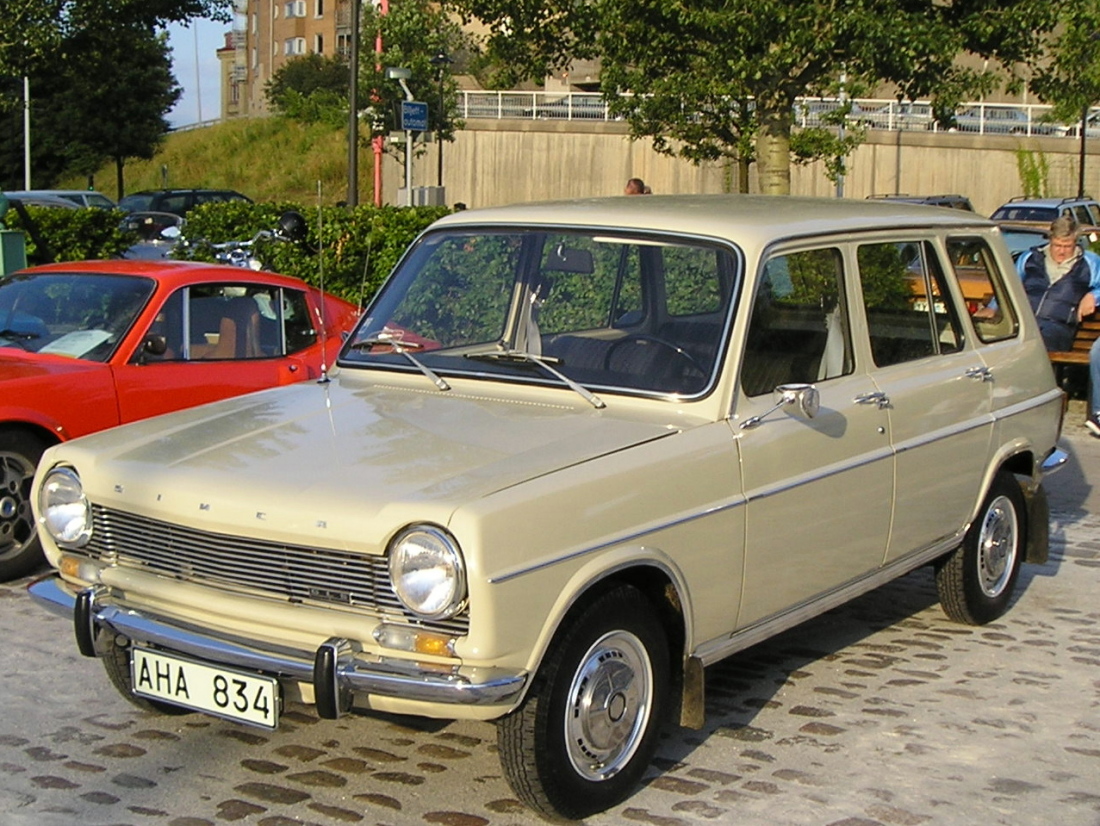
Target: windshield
x,y
1025,213
80,315
599,310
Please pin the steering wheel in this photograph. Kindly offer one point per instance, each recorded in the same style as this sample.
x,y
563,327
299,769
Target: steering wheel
x,y
642,338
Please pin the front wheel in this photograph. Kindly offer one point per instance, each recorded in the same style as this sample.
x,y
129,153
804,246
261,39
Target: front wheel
x,y
588,727
976,580
20,550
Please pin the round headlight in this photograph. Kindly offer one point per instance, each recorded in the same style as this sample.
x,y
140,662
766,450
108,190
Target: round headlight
x,y
427,572
63,509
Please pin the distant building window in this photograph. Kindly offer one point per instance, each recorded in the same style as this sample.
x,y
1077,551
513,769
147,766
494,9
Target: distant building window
x,y
296,8
294,46
343,44
319,8
255,23
255,57
319,44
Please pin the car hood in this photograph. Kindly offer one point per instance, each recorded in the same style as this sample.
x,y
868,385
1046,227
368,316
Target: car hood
x,y
16,365
338,464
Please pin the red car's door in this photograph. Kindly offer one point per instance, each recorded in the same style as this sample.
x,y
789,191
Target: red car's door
x,y
214,341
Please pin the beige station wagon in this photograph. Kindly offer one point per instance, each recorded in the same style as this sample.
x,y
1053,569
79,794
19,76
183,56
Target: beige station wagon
x,y
574,453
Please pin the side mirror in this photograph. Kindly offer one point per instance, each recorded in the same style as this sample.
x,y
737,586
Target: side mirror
x,y
800,400
170,233
155,345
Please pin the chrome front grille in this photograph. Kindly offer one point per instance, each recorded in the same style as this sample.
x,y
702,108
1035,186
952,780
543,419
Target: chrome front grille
x,y
291,572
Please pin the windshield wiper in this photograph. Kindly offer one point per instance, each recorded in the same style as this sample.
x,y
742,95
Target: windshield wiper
x,y
403,348
520,357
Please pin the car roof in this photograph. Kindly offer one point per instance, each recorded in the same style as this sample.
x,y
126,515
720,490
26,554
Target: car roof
x,y
171,273
740,218
1047,202
31,198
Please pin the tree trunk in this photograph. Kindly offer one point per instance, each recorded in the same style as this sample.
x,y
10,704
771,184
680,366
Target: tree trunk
x,y
773,152
120,163
743,165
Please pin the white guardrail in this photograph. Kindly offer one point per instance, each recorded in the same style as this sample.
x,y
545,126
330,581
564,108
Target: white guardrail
x,y
892,115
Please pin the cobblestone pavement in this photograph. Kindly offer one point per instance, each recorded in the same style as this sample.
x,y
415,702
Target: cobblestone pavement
x,y
879,712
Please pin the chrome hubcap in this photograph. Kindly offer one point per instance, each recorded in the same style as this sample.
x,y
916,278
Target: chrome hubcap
x,y
609,706
997,546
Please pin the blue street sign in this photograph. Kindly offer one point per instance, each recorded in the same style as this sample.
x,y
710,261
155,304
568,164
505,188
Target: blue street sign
x,y
414,116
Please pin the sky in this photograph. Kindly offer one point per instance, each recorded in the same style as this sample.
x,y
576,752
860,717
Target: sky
x,y
203,86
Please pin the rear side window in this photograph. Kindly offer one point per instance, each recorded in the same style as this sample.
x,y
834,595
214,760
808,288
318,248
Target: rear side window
x,y
799,332
910,314
991,312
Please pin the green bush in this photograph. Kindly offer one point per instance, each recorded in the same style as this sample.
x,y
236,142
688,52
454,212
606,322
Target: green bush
x,y
351,250
71,234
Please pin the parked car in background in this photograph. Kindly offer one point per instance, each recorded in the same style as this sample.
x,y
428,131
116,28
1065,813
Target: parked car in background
x,y
997,120
80,197
177,201
949,201
38,200
90,345
573,453
158,234
1086,211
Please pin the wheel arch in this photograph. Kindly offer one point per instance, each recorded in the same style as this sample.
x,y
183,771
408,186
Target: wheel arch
x,y
657,582
51,435
1022,463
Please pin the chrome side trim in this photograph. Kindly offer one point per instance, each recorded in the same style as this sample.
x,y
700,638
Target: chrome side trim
x,y
506,575
722,647
354,673
1054,395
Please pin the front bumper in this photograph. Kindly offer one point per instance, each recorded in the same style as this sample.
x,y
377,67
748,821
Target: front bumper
x,y
338,672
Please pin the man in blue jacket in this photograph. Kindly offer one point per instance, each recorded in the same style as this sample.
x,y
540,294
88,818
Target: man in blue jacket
x,y
1062,282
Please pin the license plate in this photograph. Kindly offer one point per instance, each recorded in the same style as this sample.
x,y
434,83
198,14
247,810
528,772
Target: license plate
x,y
234,695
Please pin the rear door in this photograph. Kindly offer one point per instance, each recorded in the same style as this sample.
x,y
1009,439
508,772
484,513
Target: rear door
x,y
933,385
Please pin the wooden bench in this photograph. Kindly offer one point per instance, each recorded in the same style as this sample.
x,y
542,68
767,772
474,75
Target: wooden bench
x,y
1087,332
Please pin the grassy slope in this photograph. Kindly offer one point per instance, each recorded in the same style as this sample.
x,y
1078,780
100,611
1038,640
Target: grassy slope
x,y
268,159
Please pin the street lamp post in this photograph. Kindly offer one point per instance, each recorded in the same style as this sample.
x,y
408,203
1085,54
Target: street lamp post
x,y
441,61
1081,165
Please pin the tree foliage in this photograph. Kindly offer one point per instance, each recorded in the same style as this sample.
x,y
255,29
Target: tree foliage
x,y
412,33
32,31
1071,80
719,78
105,99
311,89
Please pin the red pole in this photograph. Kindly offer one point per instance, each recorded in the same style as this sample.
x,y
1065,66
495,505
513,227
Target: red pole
x,y
383,8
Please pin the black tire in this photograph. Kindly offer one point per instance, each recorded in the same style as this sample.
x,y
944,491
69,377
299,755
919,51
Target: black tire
x,y
613,657
976,580
20,550
116,662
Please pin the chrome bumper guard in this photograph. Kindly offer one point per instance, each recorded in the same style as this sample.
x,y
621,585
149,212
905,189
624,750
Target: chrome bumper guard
x,y
336,670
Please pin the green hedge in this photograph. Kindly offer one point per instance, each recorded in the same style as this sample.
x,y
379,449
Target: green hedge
x,y
352,249
71,234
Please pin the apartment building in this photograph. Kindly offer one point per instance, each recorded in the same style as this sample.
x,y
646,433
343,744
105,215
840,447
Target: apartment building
x,y
268,33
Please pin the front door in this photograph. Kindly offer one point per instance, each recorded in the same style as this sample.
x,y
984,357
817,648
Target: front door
x,y
819,491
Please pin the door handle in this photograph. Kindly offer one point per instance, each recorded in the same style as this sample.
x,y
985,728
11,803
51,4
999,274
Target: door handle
x,y
980,373
878,398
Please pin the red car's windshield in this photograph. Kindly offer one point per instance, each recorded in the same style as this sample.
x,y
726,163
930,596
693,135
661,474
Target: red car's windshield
x,y
79,315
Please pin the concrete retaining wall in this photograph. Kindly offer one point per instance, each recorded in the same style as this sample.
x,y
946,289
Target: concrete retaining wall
x,y
500,162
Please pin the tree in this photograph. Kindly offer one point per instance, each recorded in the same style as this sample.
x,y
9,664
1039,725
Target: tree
x,y
311,89
1071,80
716,78
106,98
413,32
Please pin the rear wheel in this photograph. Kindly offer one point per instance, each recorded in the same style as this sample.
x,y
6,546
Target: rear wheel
x,y
976,580
588,728
20,550
116,662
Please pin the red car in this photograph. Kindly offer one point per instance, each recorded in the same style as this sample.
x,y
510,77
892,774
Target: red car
x,y
90,345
